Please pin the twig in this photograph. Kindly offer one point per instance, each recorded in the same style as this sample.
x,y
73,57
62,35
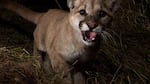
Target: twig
x,y
115,74
129,81
139,75
58,4
26,51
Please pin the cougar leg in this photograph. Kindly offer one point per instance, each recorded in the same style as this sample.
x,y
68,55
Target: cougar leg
x,y
35,51
78,78
61,68
46,63
44,60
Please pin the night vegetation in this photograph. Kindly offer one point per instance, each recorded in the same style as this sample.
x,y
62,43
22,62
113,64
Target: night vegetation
x,y
122,60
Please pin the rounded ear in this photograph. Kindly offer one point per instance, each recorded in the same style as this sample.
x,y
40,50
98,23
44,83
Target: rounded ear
x,y
73,3
70,4
113,4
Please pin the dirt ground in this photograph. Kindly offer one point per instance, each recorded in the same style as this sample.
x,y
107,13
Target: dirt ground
x,y
126,61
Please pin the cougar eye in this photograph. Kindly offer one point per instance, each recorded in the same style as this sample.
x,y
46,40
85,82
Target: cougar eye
x,y
102,13
82,12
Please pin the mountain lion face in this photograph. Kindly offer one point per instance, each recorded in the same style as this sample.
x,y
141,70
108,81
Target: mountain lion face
x,y
91,17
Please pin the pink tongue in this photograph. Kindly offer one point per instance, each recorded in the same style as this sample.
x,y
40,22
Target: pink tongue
x,y
92,35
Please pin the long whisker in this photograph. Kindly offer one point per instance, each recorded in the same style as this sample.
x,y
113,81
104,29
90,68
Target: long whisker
x,y
108,38
117,36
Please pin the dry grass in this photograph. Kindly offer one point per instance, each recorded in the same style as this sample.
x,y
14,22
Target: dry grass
x,y
126,62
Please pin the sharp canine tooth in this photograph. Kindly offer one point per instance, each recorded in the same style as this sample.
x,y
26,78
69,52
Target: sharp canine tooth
x,y
93,38
85,38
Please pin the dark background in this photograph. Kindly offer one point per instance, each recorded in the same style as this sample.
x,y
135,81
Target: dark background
x,y
44,5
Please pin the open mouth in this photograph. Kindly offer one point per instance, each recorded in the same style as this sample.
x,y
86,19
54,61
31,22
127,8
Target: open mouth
x,y
89,36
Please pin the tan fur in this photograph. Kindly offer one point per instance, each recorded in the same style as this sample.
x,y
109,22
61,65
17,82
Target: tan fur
x,y
58,33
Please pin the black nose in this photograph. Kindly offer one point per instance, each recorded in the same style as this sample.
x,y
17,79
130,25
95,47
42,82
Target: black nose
x,y
92,25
